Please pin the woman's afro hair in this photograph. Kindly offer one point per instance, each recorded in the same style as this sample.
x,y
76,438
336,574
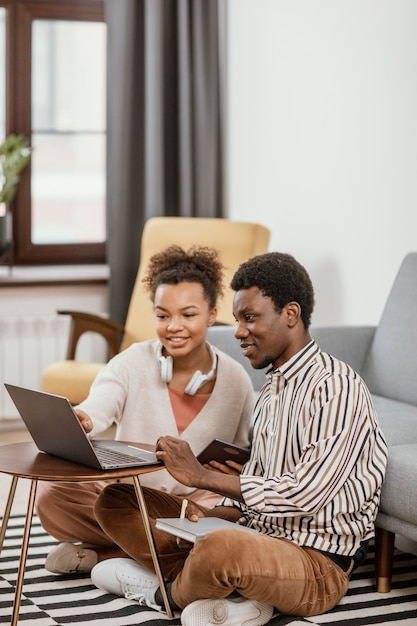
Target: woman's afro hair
x,y
174,265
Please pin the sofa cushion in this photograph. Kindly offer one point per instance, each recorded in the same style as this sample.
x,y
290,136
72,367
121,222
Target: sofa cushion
x,y
347,343
398,420
391,365
399,492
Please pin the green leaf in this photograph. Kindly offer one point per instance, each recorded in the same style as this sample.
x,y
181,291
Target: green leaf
x,y
15,154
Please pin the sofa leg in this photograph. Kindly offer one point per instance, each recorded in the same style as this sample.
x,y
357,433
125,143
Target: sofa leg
x,y
384,556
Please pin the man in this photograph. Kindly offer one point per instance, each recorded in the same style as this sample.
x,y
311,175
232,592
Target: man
x,y
311,487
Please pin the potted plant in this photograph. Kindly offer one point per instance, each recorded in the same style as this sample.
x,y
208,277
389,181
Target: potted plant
x,y
15,154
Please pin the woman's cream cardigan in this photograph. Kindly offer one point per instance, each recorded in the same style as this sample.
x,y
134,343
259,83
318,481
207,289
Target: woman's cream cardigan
x,y
130,392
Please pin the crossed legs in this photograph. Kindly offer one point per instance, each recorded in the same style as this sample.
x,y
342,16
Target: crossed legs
x,y
297,581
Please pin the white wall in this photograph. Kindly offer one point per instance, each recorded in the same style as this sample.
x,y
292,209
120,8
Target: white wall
x,y
44,300
32,336
322,106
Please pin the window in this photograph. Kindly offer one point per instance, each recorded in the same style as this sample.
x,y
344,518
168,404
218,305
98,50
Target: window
x,y
2,73
57,49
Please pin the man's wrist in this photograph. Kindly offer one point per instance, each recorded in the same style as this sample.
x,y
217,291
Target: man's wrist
x,y
225,485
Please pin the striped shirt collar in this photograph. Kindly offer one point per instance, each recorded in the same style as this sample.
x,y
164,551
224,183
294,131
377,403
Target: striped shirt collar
x,y
296,363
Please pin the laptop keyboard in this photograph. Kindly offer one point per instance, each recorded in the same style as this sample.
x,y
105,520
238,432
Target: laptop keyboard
x,y
114,456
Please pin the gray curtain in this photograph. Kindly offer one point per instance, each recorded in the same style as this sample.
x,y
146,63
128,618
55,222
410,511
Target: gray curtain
x,y
164,126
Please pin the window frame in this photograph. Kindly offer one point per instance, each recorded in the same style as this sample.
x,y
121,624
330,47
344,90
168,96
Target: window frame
x,y
19,17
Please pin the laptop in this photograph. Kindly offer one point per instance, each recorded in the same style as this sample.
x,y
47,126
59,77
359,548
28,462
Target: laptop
x,y
56,429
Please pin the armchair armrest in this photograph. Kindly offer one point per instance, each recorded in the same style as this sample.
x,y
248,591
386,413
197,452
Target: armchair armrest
x,y
88,322
348,343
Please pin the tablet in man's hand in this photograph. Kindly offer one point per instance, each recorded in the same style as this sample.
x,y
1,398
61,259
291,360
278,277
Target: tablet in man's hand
x,y
222,451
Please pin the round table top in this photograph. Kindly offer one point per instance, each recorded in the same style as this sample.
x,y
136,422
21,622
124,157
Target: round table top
x,y
26,461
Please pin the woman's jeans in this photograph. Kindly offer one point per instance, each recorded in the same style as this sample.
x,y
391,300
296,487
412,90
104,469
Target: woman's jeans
x,y
295,580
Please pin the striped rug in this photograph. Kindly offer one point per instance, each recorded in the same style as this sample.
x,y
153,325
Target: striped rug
x,y
49,599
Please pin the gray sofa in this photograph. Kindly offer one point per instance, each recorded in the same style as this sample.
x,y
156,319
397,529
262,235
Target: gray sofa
x,y
386,357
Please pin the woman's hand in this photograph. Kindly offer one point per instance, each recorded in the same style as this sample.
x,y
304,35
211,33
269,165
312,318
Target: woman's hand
x,y
85,420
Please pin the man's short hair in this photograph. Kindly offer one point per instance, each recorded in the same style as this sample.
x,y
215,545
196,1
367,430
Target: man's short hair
x,y
280,277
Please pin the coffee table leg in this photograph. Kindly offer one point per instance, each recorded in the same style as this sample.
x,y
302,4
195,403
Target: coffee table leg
x,y
149,536
7,510
24,552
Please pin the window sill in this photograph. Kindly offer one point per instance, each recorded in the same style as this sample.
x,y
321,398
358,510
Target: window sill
x,y
20,276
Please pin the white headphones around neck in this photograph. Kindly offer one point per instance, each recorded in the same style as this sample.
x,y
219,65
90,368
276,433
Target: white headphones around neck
x,y
197,380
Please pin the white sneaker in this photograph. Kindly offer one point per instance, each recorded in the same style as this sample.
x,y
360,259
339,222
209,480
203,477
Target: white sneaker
x,y
227,612
125,577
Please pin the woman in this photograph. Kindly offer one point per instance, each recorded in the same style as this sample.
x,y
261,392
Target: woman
x,y
175,385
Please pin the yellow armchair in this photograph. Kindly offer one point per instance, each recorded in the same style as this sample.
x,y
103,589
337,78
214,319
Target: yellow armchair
x,y
235,241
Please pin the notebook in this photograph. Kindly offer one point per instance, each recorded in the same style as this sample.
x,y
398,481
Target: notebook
x,y
56,429
191,531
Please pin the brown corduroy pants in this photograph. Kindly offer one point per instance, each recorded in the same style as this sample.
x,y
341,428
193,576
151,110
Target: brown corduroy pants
x,y
295,580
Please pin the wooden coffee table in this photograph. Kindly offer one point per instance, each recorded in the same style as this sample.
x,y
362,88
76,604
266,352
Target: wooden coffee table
x,y
23,460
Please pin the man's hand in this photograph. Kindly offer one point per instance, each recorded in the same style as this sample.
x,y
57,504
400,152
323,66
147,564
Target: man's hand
x,y
181,463
193,512
179,460
231,467
231,513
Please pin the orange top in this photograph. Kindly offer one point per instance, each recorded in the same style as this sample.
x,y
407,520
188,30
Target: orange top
x,y
186,407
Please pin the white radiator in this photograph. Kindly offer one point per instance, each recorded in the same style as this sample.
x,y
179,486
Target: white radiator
x,y
29,344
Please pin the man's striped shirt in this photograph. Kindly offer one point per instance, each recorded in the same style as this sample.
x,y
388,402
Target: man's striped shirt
x,y
318,456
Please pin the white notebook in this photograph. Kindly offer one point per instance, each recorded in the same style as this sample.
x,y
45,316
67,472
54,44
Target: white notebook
x,y
191,531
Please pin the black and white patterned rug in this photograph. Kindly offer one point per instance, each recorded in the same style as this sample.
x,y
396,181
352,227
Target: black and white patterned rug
x,y
50,600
